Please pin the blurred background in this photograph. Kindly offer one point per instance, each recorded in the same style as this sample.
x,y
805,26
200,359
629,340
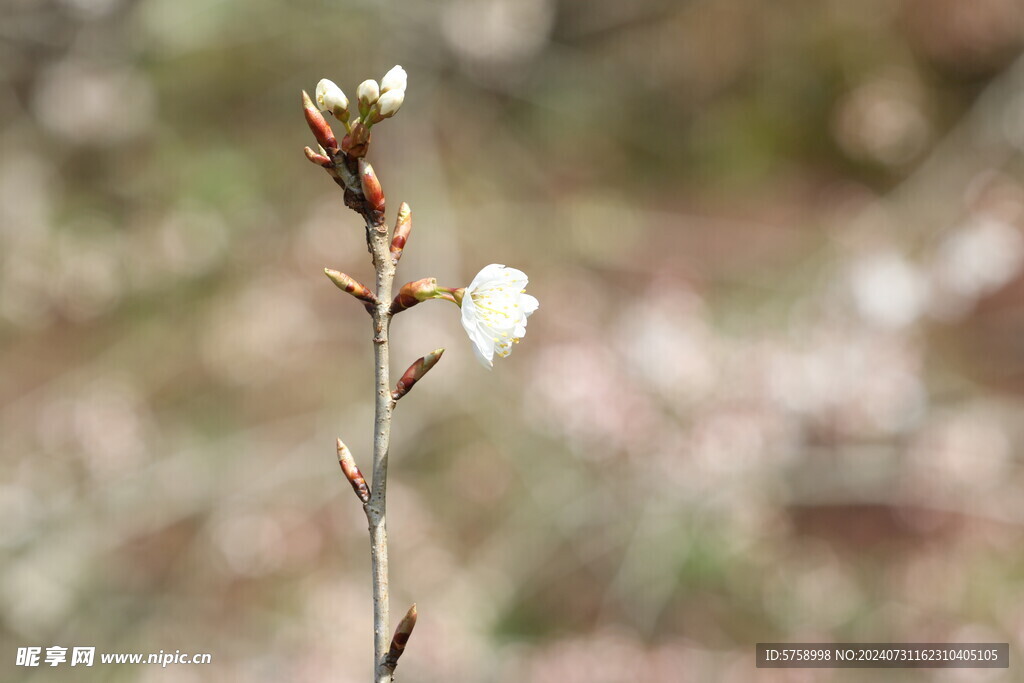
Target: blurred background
x,y
773,391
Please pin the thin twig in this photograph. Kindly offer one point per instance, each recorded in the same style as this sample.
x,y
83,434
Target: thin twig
x,y
377,236
379,244
346,164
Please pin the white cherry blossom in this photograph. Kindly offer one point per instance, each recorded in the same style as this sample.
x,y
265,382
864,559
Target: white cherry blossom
x,y
495,307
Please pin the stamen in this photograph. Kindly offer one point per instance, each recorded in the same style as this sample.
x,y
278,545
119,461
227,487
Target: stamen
x,y
487,308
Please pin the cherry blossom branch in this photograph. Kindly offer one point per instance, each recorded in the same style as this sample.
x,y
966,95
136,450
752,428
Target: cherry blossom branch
x,y
494,312
346,164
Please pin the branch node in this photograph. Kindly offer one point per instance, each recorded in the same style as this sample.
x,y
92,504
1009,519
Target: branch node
x,y
357,142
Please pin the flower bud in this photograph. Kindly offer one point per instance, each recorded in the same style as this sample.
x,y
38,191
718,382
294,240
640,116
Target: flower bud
x,y
367,93
351,286
396,79
411,293
318,124
330,98
387,106
372,190
415,373
400,639
403,226
317,157
352,473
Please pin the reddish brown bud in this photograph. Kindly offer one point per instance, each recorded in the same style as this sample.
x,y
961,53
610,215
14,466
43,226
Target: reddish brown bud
x,y
352,473
371,186
400,639
357,142
411,293
403,226
351,286
415,373
318,124
317,158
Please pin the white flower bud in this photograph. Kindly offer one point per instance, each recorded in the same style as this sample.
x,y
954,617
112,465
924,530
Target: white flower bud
x,y
389,103
367,93
395,79
329,97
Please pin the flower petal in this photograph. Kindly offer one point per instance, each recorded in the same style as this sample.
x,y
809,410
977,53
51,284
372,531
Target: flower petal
x,y
507,282
487,274
487,362
483,344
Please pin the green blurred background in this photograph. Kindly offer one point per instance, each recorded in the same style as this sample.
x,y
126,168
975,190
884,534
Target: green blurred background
x,y
773,391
